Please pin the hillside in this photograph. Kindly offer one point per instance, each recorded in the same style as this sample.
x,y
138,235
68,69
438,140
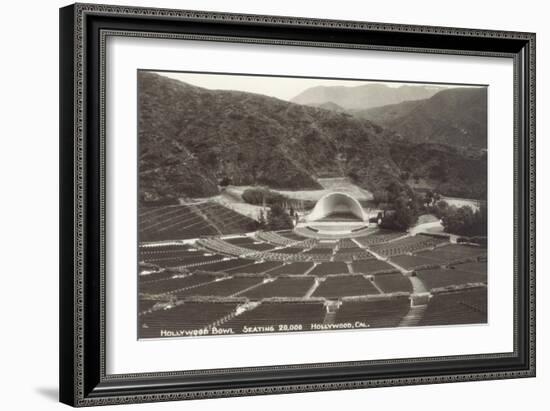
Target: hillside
x,y
446,169
456,117
364,96
191,138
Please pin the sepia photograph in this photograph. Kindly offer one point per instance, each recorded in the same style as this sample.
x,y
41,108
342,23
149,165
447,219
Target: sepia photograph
x,y
273,204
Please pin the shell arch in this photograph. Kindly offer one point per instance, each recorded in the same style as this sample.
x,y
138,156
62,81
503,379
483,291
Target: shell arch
x,y
336,202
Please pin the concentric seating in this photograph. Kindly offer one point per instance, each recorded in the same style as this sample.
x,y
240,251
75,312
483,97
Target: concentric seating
x,y
266,278
345,286
176,222
379,237
269,316
274,238
374,313
290,286
408,245
468,306
188,316
445,278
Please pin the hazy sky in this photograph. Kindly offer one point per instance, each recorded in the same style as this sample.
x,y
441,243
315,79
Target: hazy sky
x,y
284,88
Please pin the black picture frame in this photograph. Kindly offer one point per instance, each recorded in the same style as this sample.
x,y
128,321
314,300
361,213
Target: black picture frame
x,y
83,30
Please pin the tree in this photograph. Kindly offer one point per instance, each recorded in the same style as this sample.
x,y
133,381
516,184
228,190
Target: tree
x,y
440,208
261,220
380,196
465,221
395,191
403,215
403,207
431,198
353,175
428,198
278,219
225,181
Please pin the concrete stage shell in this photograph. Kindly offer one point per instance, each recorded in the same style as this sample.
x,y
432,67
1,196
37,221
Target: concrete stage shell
x,y
336,203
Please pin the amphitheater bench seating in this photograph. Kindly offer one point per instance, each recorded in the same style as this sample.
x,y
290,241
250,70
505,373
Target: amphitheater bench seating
x,y
345,286
346,243
162,248
371,266
256,268
453,252
458,307
380,236
407,245
441,278
172,223
161,275
190,261
274,238
162,258
224,277
474,267
290,250
319,250
260,247
226,265
172,284
146,305
187,316
375,313
221,246
347,250
225,219
393,283
334,267
224,288
241,241
326,244
410,262
292,268
189,221
269,314
320,257
345,257
165,255
292,235
282,287
309,243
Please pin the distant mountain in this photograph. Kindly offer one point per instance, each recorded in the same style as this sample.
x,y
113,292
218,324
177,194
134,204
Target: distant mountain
x,y
190,138
329,105
390,113
456,117
365,96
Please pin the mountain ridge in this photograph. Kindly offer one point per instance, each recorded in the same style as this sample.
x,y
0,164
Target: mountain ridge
x,y
364,96
456,117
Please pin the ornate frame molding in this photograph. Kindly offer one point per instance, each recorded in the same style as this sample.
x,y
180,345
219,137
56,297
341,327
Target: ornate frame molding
x,y
82,297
